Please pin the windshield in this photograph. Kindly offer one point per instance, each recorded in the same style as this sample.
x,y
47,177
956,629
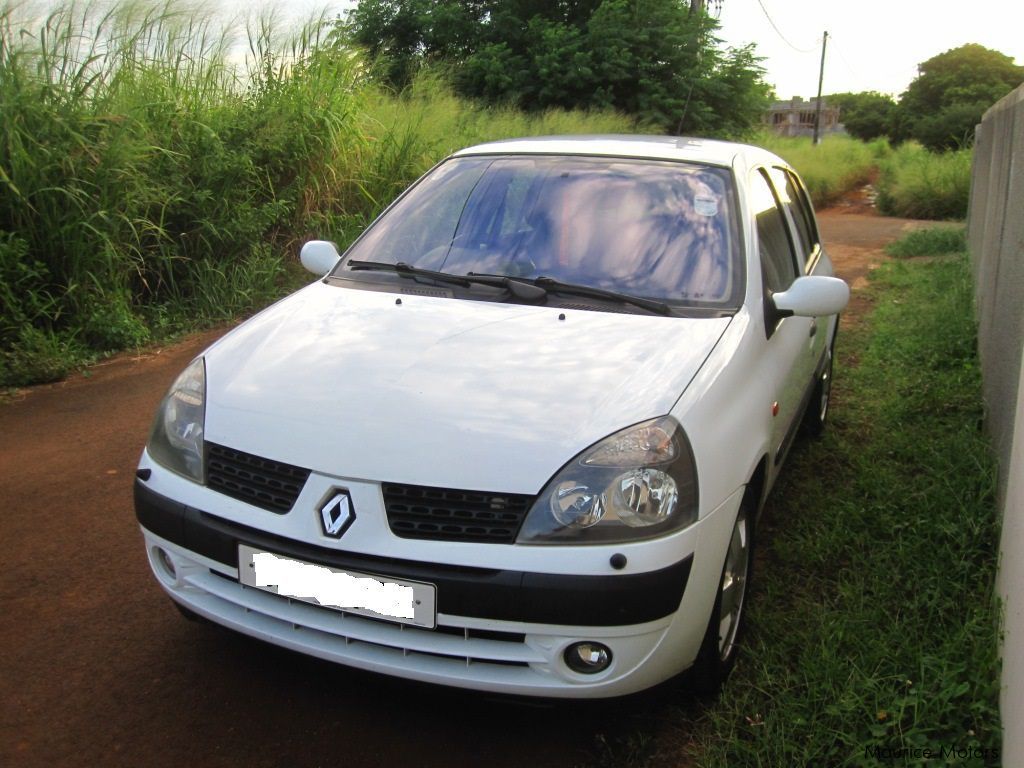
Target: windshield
x,y
661,230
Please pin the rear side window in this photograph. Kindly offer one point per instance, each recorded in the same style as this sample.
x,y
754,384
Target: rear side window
x,y
794,202
773,238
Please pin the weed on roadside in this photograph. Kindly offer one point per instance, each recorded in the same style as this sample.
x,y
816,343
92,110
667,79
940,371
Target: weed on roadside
x,y
918,184
933,241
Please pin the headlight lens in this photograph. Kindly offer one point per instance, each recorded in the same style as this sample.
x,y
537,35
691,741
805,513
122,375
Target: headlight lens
x,y
176,439
636,484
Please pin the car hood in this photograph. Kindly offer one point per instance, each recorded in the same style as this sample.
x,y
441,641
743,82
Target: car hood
x,y
443,392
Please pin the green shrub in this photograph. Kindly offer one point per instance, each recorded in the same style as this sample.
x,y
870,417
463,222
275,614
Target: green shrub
x,y
918,184
35,357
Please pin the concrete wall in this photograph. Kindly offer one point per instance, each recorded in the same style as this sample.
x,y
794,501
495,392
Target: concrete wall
x,y
995,231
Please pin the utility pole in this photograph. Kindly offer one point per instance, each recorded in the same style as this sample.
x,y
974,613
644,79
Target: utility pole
x,y
821,78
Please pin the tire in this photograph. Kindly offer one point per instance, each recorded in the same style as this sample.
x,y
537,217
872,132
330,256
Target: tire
x,y
816,416
720,647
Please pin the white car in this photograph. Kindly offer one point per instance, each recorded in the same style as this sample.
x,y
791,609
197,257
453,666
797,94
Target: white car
x,y
516,439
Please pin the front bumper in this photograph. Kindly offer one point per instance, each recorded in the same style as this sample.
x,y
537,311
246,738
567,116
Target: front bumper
x,y
498,629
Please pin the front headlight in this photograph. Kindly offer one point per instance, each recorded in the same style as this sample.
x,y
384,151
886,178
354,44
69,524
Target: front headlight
x,y
176,440
639,483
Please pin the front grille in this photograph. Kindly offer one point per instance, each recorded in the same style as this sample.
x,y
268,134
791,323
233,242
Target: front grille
x,y
445,514
264,483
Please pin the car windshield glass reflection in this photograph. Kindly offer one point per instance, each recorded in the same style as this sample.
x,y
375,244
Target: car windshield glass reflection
x,y
655,229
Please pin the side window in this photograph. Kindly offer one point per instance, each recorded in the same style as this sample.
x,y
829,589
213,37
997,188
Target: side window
x,y
803,205
792,201
776,248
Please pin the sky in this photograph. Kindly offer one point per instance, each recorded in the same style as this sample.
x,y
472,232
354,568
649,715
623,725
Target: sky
x,y
873,45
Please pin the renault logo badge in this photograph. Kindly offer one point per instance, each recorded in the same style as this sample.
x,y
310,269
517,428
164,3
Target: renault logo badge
x,y
337,514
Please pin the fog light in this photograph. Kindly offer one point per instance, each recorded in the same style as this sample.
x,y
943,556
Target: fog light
x,y
588,658
166,563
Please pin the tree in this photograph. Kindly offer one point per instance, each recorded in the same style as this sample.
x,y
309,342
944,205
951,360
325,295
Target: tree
x,y
866,115
401,34
654,59
947,99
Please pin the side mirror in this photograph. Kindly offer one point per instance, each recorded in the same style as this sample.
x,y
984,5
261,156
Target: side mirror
x,y
319,256
812,296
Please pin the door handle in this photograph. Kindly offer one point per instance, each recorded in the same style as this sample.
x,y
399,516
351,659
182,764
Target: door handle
x,y
814,329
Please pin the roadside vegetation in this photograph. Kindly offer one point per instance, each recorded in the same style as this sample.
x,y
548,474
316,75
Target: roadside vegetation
x,y
873,624
931,241
915,183
151,184
830,169
931,127
941,106
911,182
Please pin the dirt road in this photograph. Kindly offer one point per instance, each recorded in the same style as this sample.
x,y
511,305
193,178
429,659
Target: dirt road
x,y
97,668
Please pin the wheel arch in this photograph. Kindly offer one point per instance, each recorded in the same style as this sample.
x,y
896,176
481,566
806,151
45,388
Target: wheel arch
x,y
757,486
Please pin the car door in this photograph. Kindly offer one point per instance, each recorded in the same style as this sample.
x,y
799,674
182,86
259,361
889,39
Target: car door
x,y
788,340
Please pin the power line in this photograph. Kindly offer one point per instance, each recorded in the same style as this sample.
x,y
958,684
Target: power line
x,y
838,49
782,36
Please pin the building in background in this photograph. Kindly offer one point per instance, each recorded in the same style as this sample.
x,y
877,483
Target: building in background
x,y
796,118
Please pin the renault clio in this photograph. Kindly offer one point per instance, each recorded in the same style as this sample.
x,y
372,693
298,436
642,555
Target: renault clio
x,y
517,437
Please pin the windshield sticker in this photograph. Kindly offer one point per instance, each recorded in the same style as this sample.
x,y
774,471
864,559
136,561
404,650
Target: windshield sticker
x,y
705,205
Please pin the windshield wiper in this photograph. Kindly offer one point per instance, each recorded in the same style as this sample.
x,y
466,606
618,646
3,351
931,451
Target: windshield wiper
x,y
526,288
574,289
521,289
408,270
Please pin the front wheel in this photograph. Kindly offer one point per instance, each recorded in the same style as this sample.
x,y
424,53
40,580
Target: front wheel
x,y
816,415
718,652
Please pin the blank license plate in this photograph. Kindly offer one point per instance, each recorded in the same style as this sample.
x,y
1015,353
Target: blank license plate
x,y
407,602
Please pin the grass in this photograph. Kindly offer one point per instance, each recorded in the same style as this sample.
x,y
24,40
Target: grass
x,y
919,184
830,169
912,182
873,621
933,241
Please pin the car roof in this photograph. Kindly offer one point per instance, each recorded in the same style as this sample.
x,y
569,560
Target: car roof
x,y
705,151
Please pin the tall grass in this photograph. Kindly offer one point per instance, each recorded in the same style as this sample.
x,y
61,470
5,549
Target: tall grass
x,y
142,170
912,181
830,169
919,184
151,181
